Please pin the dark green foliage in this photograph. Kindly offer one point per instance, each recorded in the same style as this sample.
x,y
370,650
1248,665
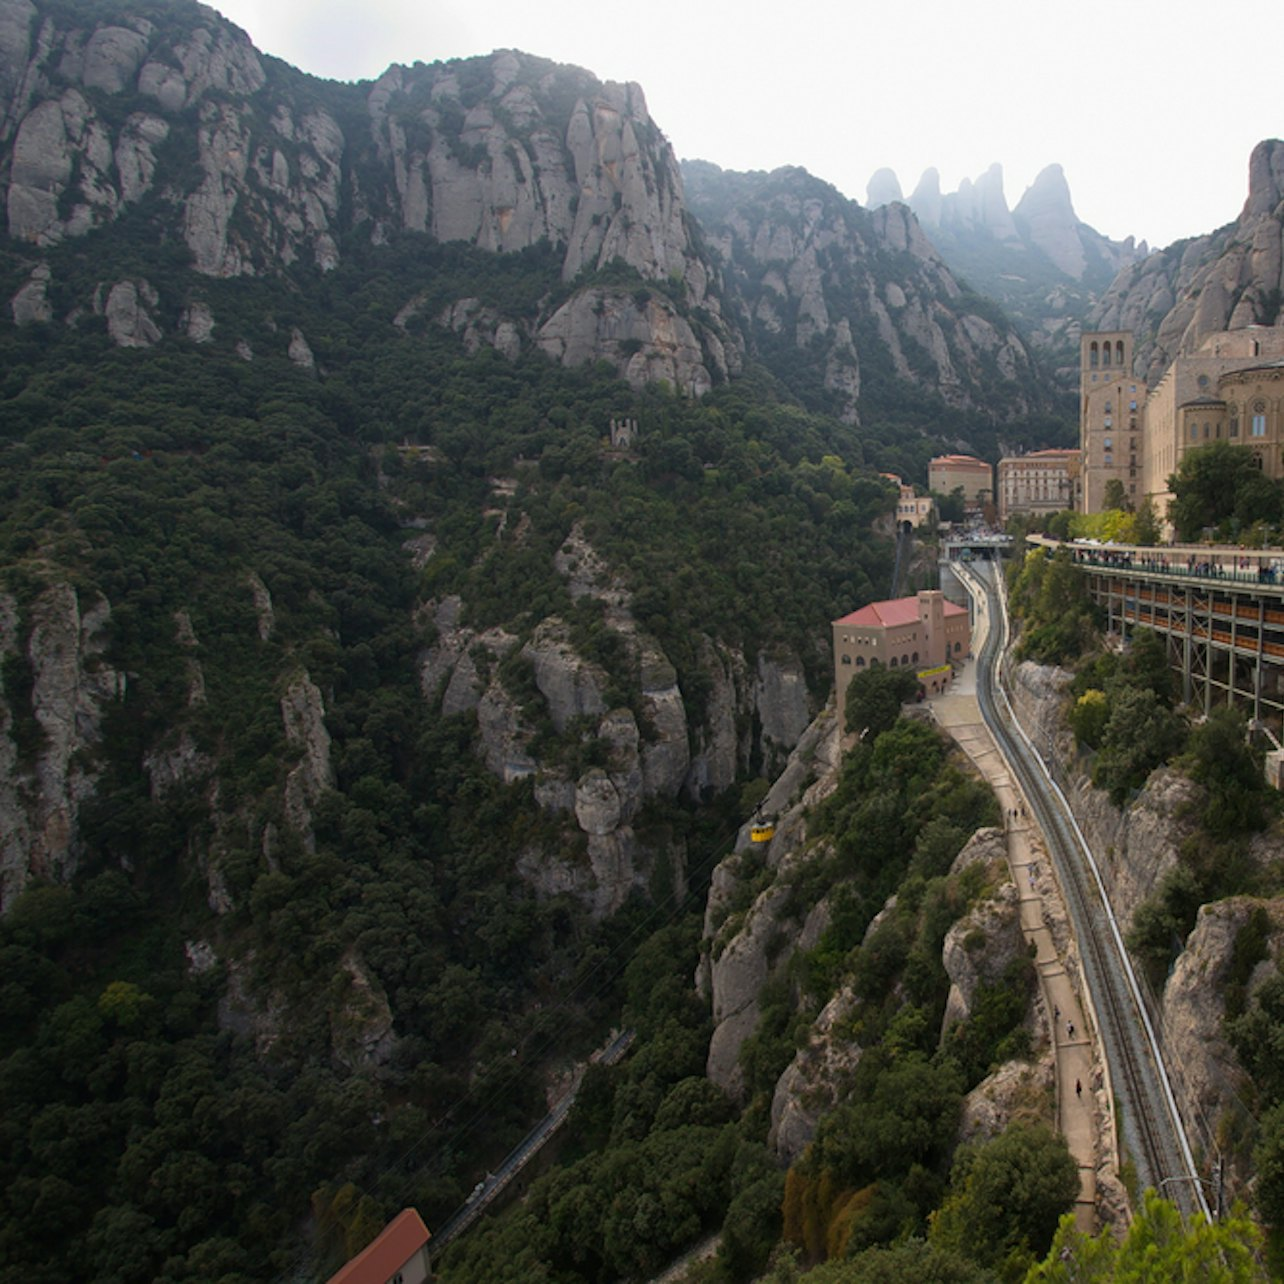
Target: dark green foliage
x,y
915,1261
1050,597
1258,1039
1140,734
1006,1197
1208,486
874,699
1220,757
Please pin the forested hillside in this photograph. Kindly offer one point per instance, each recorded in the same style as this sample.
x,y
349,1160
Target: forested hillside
x,y
383,668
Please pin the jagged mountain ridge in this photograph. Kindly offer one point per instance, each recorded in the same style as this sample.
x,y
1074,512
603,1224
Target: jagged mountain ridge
x,y
253,167
848,294
166,117
1039,260
1228,279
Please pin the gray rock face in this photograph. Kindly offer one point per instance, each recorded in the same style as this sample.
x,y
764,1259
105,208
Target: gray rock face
x,y
129,320
41,796
1051,223
978,948
31,302
1135,846
571,686
198,322
299,352
647,342
741,952
1232,278
303,713
783,704
361,1033
811,1084
1209,1078
883,188
812,266
543,154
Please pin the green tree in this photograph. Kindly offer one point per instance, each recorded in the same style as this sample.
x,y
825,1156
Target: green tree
x,y
1115,497
1006,1197
1158,1245
1221,758
874,699
1140,735
1207,485
1146,529
1088,717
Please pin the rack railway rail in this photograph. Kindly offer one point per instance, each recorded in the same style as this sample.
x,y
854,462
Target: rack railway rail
x,y
1151,1125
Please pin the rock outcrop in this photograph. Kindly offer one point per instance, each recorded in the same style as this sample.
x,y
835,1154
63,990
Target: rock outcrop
x,y
644,752
260,177
1040,261
48,739
1226,280
813,270
303,713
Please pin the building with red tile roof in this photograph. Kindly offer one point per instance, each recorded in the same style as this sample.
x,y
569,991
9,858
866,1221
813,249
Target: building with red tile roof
x,y
399,1255
924,633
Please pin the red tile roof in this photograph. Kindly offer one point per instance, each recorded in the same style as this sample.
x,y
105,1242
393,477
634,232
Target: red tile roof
x,y
380,1260
893,612
956,460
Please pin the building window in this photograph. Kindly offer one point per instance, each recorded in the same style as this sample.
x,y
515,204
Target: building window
x,y
893,662
1259,425
1132,405
846,659
1257,461
1194,432
915,657
860,661
1206,429
1234,428
1108,443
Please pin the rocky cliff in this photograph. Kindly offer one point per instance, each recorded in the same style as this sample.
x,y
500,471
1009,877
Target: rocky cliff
x,y
56,690
1136,846
184,129
596,767
850,296
1040,260
1226,280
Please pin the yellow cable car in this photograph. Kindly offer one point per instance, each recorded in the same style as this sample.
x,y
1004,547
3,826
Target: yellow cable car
x,y
762,831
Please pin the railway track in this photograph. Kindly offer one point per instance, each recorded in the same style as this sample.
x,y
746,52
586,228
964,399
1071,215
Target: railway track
x,y
1149,1121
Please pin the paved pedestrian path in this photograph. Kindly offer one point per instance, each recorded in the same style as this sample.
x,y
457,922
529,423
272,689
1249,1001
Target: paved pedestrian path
x,y
1077,1061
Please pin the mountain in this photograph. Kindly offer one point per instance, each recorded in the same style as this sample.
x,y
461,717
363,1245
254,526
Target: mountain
x,y
1226,280
240,166
1040,261
167,128
855,309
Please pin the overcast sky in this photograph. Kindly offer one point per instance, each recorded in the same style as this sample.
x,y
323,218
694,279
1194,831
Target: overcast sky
x,y
1151,124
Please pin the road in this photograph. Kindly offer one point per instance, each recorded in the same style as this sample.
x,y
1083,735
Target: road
x,y
490,1187
1151,1126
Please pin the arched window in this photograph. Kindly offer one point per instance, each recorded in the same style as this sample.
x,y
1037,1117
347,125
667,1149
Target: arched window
x,y
860,661
1105,354
893,662
1092,356
846,659
914,657
958,646
1119,352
